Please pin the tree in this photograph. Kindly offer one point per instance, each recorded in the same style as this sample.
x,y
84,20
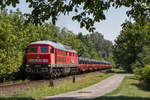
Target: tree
x,y
102,46
11,55
94,46
130,44
84,9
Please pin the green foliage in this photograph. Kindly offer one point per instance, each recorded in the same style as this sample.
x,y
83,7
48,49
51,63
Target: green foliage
x,y
10,57
145,76
145,55
138,71
94,46
87,12
131,44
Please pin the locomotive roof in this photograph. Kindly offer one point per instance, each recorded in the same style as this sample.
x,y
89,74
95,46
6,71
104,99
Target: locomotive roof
x,y
55,44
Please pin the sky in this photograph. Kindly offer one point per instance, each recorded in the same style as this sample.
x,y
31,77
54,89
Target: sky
x,y
109,28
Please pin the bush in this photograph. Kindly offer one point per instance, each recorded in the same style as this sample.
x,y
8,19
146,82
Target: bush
x,y
146,75
138,72
143,74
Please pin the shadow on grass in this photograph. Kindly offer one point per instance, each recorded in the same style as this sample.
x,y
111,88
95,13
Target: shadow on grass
x,y
16,98
100,98
121,98
142,87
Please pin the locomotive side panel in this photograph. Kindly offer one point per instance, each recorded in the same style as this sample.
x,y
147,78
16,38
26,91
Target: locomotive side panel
x,y
60,57
66,58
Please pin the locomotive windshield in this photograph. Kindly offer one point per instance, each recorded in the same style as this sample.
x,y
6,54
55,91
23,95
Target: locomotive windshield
x,y
44,49
32,49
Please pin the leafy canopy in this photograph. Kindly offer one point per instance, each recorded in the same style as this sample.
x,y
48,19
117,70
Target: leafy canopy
x,y
87,11
131,48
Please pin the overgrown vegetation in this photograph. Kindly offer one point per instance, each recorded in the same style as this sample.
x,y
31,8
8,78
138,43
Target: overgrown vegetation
x,y
143,74
15,35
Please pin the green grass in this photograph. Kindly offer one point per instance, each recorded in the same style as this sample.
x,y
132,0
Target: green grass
x,y
65,86
130,89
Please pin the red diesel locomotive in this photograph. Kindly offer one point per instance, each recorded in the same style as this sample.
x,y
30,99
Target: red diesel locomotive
x,y
49,56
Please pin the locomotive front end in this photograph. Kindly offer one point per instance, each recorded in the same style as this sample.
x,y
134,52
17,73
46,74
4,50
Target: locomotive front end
x,y
39,58
49,57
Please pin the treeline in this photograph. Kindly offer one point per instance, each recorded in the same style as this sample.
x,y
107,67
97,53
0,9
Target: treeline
x,y
16,34
132,48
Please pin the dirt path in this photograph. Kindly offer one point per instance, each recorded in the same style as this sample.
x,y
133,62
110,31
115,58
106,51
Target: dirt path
x,y
91,92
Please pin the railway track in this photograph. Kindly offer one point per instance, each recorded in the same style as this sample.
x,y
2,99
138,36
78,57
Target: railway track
x,y
12,89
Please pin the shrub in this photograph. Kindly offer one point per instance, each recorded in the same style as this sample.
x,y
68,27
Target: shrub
x,y
138,72
146,75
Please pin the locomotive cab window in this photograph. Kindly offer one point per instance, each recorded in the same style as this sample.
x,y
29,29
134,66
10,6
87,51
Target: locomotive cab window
x,y
52,50
44,49
32,49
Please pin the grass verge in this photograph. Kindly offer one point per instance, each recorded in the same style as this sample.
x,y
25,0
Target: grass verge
x,y
65,86
130,89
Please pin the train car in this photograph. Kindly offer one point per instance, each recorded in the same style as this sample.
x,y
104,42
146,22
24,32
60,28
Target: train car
x,y
87,65
49,56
